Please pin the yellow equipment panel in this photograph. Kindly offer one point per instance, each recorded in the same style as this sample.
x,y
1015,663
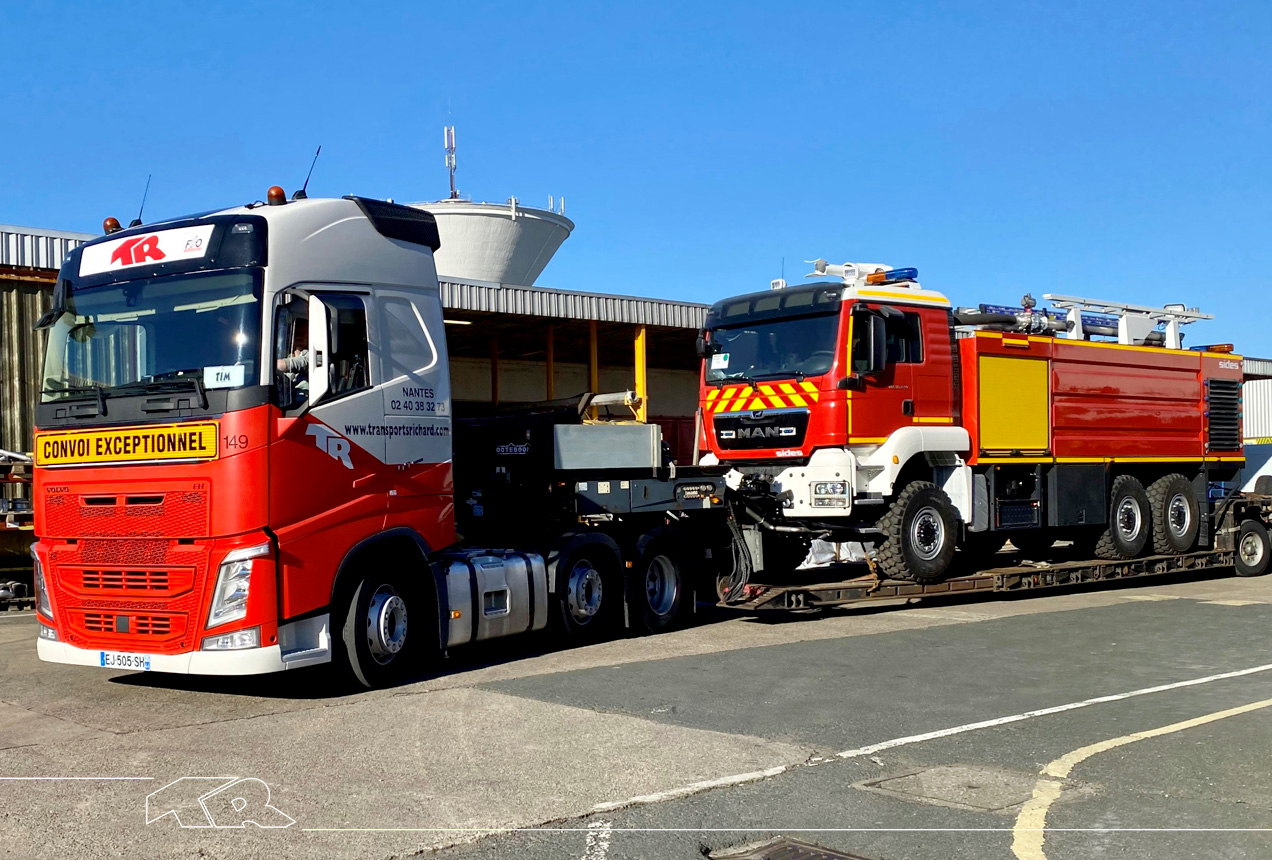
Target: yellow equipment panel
x,y
1015,399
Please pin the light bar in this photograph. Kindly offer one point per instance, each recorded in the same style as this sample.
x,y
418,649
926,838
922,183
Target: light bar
x,y
891,277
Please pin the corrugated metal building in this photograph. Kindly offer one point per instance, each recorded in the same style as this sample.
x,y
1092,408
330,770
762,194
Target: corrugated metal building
x,y
29,260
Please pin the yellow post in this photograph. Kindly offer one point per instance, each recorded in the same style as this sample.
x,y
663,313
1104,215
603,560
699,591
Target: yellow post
x,y
494,371
642,376
551,371
593,364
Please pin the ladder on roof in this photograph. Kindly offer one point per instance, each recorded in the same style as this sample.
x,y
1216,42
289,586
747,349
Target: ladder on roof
x,y
1135,323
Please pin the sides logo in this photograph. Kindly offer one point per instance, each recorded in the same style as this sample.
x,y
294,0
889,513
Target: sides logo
x,y
222,802
331,443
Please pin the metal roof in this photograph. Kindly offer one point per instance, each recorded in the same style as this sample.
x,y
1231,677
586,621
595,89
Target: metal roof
x,y
488,297
1257,368
36,248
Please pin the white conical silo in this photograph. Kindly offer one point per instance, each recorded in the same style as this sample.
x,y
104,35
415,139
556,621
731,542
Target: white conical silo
x,y
502,242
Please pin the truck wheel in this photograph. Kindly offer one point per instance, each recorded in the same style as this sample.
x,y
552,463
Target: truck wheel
x,y
1253,552
658,586
920,530
590,604
1130,520
1175,514
379,644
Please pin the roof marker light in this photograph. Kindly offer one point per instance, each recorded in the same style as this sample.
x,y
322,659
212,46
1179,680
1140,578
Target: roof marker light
x,y
111,225
276,196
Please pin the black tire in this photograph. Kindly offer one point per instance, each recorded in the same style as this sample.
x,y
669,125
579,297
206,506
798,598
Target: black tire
x,y
1130,520
379,644
589,606
1033,544
920,531
1176,514
1253,550
659,592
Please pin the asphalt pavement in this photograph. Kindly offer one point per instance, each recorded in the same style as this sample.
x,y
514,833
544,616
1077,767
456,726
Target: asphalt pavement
x,y
1128,721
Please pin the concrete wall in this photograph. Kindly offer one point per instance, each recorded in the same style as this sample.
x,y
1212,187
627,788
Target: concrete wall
x,y
671,392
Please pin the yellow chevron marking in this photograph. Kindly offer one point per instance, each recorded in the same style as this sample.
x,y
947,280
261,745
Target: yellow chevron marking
x,y
757,403
787,388
798,401
713,394
808,386
777,401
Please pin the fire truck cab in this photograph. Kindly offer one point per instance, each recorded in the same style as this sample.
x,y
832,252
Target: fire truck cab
x,y
868,410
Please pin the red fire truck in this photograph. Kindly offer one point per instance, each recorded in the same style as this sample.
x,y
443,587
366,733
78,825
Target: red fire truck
x,y
868,411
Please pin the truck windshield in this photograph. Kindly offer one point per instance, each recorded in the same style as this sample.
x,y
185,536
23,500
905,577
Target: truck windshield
x,y
794,346
141,334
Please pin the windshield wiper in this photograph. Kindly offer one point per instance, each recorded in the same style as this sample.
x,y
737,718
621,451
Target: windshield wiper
x,y
178,378
781,374
78,391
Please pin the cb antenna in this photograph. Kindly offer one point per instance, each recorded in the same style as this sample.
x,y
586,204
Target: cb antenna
x,y
449,140
301,195
136,222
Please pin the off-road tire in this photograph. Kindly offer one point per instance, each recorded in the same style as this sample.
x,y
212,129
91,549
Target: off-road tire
x,y
1176,514
1118,541
899,557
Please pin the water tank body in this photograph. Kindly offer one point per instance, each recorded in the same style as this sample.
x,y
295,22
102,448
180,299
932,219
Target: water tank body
x,y
502,242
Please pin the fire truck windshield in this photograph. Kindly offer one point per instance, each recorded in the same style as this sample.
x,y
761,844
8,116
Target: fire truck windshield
x,y
139,334
787,347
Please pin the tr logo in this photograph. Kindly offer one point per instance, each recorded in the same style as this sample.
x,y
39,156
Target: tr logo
x,y
137,250
216,801
331,442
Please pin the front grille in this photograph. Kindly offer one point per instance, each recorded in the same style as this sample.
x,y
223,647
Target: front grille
x,y
125,580
1223,415
772,428
137,625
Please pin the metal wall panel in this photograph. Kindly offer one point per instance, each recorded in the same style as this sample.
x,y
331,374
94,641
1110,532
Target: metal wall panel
x,y
21,358
1256,408
560,304
38,249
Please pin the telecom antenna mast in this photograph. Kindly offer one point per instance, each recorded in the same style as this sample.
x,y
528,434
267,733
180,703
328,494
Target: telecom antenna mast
x,y
449,135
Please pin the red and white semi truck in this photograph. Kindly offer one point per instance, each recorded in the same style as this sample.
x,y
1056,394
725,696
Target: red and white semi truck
x,y
246,462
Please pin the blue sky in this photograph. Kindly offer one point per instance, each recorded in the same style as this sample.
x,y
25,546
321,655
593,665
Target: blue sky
x,y
1117,150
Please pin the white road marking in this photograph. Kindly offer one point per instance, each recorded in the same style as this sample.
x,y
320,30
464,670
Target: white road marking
x,y
599,834
17,617
1031,824
755,776
1233,602
1149,596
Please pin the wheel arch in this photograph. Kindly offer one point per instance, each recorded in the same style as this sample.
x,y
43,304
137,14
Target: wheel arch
x,y
399,544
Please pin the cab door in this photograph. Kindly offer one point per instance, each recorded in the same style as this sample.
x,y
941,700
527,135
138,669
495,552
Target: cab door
x,y
883,400
933,373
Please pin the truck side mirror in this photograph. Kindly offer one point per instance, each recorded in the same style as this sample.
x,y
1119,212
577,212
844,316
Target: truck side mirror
x,y
705,347
878,344
319,349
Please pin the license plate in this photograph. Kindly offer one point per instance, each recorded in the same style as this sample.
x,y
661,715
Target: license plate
x,y
119,660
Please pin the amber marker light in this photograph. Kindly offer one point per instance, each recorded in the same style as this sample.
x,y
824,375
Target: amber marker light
x,y
111,225
276,196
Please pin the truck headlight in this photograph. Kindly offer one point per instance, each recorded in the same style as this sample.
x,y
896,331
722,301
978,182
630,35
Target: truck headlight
x,y
830,488
233,581
238,640
43,600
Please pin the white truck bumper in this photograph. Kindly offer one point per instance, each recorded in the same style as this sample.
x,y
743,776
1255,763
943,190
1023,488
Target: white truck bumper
x,y
830,466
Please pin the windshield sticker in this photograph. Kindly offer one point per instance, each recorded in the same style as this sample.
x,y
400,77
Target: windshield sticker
x,y
223,376
720,361
184,243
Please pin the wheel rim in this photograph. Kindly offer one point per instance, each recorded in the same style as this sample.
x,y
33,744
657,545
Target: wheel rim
x,y
1251,549
583,592
927,533
1179,515
1129,519
662,585
386,624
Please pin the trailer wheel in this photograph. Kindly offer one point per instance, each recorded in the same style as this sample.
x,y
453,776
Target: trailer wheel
x,y
589,606
1253,551
379,644
920,531
1130,520
1175,514
658,587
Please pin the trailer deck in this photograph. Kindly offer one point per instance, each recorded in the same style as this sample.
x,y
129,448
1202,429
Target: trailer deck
x,y
1014,577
